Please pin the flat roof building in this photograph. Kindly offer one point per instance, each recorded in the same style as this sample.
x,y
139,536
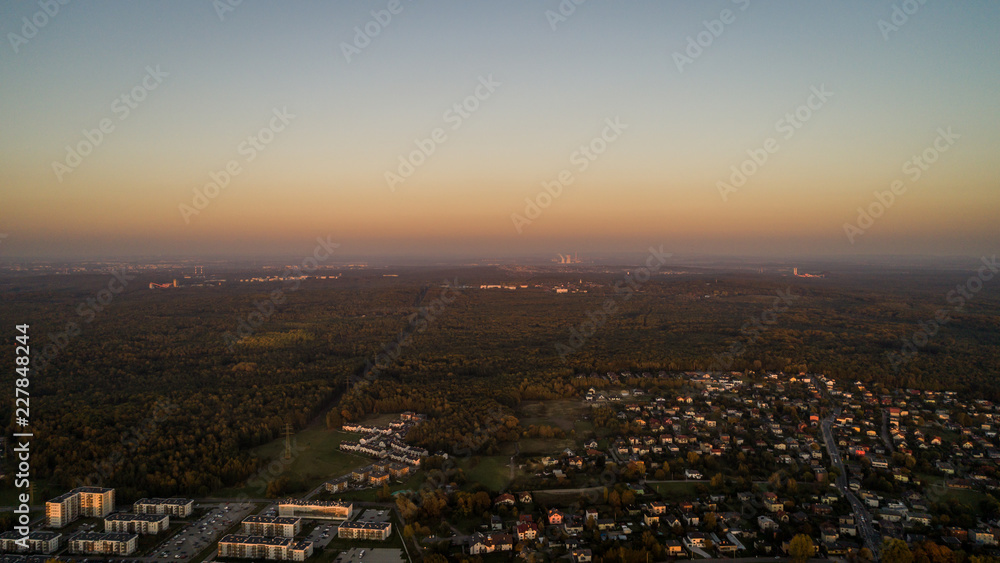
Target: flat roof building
x,y
137,523
105,544
317,509
275,526
378,531
37,542
176,507
94,502
259,547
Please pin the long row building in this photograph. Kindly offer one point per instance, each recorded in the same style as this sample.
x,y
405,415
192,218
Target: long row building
x,y
85,543
317,509
397,428
137,523
259,547
378,447
387,442
37,542
379,531
275,526
176,507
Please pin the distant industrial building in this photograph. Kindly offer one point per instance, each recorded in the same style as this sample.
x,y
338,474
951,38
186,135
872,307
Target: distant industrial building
x,y
104,544
280,526
137,523
318,509
259,547
94,502
38,542
176,507
379,531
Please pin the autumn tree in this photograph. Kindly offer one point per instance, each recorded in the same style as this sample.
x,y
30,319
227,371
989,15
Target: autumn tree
x,y
801,548
896,551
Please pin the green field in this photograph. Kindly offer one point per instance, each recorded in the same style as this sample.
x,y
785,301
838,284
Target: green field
x,y
969,498
562,413
568,496
316,458
539,446
676,491
491,471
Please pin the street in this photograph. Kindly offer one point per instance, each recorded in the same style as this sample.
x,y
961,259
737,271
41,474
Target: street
x,y
863,520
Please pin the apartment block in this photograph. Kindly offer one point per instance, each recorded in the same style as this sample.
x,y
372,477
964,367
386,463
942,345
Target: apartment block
x,y
273,526
176,507
258,547
379,531
38,542
94,502
105,544
318,509
137,523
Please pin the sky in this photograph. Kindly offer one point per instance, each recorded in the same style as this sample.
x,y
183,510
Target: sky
x,y
474,128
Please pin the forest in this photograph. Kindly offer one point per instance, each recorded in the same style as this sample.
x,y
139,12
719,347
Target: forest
x,y
146,394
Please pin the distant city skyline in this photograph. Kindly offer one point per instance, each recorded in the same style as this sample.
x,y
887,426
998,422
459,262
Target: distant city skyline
x,y
474,129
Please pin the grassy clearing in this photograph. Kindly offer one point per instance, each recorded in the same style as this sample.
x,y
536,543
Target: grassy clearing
x,y
491,471
567,497
318,459
969,498
546,446
675,491
563,413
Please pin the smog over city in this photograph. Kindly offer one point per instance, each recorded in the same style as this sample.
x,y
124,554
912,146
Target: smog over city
x,y
451,281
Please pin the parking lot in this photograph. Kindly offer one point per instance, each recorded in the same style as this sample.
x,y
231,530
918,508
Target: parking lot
x,y
323,534
201,533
